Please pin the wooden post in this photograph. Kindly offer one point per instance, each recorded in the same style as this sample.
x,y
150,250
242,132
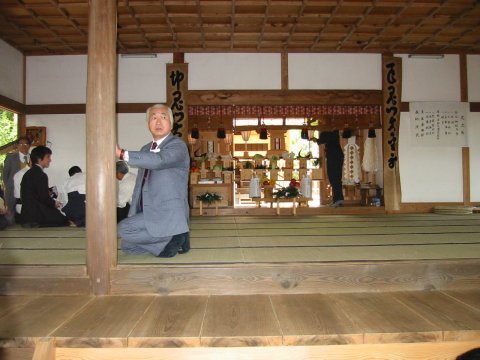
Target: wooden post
x,y
284,70
466,175
392,95
101,138
465,150
44,349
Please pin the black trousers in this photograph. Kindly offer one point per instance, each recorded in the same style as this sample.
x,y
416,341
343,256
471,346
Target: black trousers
x,y
334,173
122,213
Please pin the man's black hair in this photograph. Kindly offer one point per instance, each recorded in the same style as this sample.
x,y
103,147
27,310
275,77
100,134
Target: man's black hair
x,y
74,170
39,153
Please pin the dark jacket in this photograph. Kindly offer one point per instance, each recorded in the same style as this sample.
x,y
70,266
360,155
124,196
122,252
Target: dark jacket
x,y
37,205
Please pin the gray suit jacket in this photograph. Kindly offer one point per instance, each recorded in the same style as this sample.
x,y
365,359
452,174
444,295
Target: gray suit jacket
x,y
10,168
165,193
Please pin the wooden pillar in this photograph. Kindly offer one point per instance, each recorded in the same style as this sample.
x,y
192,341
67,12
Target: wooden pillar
x,y
284,70
392,97
465,150
101,139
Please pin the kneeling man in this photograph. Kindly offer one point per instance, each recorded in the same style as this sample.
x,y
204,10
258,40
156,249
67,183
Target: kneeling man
x,y
38,208
158,221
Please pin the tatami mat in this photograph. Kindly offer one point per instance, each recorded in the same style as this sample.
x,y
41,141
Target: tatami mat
x,y
223,240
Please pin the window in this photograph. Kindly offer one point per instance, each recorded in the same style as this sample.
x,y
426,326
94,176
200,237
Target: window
x,y
246,122
294,121
273,121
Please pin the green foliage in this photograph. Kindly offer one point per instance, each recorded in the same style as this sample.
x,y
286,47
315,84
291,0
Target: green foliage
x,y
8,133
209,197
8,126
287,192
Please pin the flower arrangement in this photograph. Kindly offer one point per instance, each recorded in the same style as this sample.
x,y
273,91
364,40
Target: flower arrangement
x,y
209,197
287,192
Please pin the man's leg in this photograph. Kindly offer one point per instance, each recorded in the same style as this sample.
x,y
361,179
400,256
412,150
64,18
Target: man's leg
x,y
137,240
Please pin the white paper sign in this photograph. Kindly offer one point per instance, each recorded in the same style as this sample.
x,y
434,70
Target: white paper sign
x,y
439,123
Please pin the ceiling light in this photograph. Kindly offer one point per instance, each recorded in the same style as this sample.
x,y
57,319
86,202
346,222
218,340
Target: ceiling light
x,y
426,56
138,56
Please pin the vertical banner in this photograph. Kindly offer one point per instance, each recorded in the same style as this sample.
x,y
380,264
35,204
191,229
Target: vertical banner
x,y
177,89
392,97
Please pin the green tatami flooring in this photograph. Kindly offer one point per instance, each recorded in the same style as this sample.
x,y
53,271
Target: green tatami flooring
x,y
226,240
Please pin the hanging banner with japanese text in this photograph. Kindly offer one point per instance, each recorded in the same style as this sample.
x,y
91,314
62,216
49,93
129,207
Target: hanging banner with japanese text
x,y
439,123
177,89
392,99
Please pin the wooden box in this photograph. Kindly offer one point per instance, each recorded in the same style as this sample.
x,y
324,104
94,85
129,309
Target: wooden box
x,y
227,177
274,174
194,177
302,163
302,173
287,174
289,163
246,174
317,174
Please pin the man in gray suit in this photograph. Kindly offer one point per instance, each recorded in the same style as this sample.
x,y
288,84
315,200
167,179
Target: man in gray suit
x,y
158,220
13,163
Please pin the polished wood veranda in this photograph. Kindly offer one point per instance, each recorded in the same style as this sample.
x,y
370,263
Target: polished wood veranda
x,y
448,318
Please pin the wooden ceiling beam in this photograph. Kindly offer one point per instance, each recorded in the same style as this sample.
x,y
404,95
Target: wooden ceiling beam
x,y
200,19
232,24
295,24
354,28
264,22
43,23
169,23
319,36
430,14
137,23
69,19
390,22
458,38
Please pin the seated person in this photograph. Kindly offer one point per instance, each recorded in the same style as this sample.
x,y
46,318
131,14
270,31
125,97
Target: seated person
x,y
73,194
17,180
126,184
3,211
38,208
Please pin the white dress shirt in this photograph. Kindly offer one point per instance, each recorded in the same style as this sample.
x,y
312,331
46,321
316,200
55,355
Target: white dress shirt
x,y
125,189
125,154
75,182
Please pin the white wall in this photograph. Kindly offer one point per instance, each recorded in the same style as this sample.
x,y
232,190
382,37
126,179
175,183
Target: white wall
x,y
431,79
335,71
11,72
473,71
143,80
233,71
63,79
66,138
474,145
58,79
429,174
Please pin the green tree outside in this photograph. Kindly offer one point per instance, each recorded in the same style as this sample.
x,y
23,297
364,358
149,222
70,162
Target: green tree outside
x,y
8,130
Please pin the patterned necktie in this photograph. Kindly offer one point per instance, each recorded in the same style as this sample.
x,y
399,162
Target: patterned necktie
x,y
145,174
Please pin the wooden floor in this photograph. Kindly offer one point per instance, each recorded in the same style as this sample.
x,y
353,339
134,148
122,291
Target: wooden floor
x,y
230,321
285,239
